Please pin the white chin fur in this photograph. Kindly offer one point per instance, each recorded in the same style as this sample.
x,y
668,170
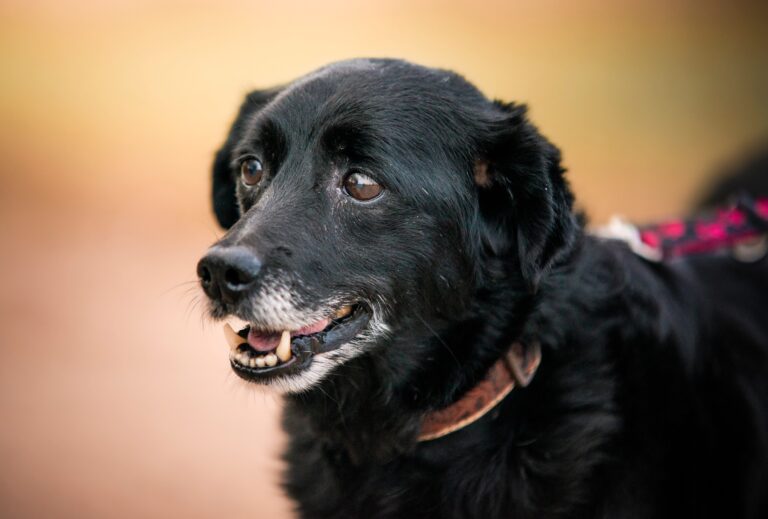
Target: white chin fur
x,y
321,365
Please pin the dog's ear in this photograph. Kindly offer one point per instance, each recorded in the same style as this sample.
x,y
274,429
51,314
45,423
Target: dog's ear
x,y
524,198
224,181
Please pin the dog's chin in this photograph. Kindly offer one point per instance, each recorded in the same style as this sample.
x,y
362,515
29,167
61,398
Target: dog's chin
x,y
300,358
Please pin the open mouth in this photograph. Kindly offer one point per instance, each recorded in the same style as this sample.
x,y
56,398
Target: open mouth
x,y
258,354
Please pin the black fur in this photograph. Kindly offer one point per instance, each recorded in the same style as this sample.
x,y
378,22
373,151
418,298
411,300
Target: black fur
x,y
652,396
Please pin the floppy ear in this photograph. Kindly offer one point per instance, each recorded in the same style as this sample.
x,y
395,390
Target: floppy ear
x,y
224,181
524,197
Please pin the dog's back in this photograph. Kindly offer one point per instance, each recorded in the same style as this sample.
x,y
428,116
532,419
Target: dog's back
x,y
732,289
702,410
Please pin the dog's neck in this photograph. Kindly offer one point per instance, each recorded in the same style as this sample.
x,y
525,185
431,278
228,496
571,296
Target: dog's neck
x,y
373,410
369,399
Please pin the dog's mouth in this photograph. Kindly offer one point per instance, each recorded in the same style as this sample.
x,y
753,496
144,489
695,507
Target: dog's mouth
x,y
257,354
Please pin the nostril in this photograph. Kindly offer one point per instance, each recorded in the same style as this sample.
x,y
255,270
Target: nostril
x,y
205,274
236,278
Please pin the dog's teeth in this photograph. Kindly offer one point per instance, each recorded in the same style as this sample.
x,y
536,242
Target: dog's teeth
x,y
243,359
343,311
283,350
233,339
260,361
270,360
252,362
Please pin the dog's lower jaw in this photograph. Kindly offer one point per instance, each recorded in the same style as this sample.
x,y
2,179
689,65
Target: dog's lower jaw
x,y
322,364
319,369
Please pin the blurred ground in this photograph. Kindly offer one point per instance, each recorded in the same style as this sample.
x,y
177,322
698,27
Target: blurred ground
x,y
115,399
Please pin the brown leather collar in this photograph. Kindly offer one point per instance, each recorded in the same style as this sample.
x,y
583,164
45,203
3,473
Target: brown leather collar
x,y
516,367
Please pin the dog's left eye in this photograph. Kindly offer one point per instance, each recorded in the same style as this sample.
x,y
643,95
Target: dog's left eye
x,y
251,172
361,187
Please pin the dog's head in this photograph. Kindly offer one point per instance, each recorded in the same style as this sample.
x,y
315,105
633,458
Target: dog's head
x,y
369,203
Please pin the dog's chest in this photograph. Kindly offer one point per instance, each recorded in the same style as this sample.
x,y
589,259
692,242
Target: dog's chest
x,y
326,482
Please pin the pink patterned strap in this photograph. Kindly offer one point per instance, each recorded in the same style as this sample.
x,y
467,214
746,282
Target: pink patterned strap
x,y
721,229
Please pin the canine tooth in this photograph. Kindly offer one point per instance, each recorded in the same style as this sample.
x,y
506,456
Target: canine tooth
x,y
260,361
233,339
270,360
283,350
343,311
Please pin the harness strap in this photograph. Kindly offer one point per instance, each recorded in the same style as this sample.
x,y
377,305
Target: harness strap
x,y
721,229
741,228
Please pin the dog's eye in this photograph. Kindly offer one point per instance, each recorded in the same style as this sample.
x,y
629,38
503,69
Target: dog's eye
x,y
251,172
361,187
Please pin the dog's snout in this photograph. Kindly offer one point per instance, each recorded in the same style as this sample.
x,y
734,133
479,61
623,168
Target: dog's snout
x,y
227,273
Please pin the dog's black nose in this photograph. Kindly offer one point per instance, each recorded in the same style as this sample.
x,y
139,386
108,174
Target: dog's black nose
x,y
227,273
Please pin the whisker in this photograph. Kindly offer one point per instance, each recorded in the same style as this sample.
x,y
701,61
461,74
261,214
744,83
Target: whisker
x,y
192,282
442,342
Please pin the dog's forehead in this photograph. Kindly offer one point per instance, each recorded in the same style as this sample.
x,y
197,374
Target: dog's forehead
x,y
331,96
355,79
369,93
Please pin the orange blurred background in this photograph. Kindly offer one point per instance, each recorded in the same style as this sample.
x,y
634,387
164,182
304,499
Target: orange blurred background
x,y
116,398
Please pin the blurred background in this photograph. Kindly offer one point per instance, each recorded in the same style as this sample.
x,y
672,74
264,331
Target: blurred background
x,y
116,399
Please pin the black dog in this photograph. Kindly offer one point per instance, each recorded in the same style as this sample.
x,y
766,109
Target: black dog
x,y
392,235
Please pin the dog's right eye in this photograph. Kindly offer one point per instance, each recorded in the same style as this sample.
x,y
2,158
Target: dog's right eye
x,y
361,187
251,172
